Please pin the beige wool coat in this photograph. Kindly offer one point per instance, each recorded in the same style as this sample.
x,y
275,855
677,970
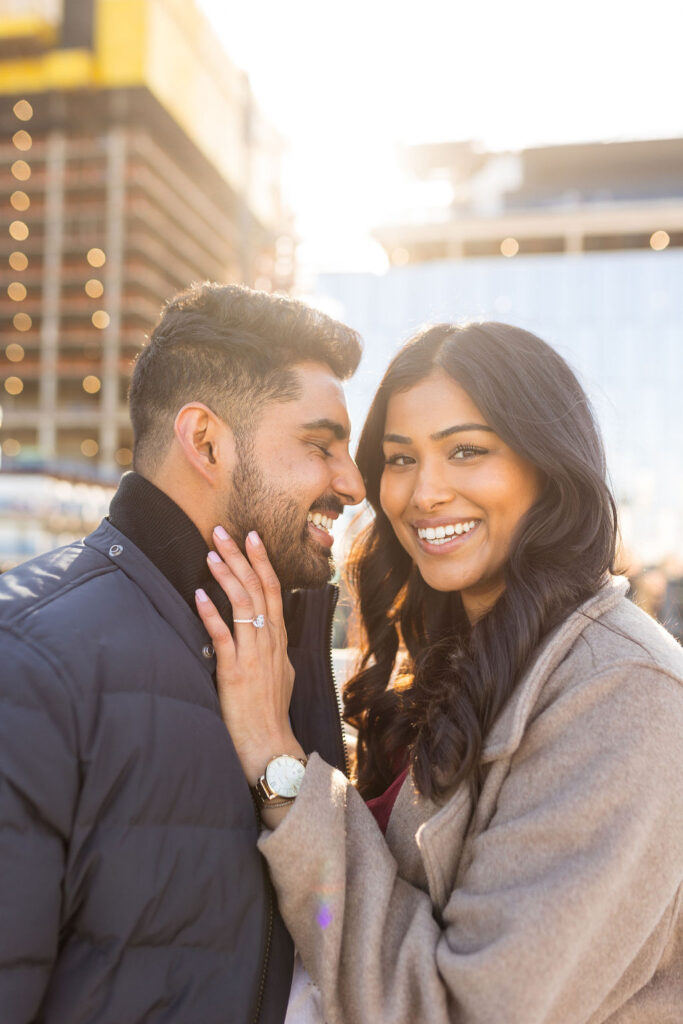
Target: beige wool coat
x,y
557,899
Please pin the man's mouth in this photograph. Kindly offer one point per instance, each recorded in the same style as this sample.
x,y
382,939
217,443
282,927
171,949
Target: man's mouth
x,y
321,520
320,525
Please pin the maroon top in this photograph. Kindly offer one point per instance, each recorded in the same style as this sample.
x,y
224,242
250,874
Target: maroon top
x,y
382,806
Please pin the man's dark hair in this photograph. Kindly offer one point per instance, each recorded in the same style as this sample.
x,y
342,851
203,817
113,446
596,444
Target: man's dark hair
x,y
234,349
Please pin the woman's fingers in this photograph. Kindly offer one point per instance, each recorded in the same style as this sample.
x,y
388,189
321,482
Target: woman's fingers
x,y
244,605
256,575
240,568
270,584
221,637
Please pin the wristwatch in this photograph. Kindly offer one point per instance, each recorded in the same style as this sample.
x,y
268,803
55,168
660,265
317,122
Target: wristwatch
x,y
280,782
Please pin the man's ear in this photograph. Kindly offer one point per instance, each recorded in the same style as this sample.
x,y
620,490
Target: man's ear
x,y
206,441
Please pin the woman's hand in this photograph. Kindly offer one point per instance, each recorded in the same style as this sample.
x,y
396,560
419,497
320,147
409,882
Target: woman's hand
x,y
254,675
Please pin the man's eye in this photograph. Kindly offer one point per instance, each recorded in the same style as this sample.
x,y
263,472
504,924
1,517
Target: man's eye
x,y
322,448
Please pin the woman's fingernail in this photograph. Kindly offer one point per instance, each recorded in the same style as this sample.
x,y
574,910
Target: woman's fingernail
x,y
254,538
221,533
213,557
201,595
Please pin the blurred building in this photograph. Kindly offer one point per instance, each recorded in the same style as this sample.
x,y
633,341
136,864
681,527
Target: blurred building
x,y
465,202
133,160
39,512
583,245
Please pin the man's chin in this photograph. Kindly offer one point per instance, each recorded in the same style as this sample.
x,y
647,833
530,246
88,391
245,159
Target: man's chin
x,y
306,574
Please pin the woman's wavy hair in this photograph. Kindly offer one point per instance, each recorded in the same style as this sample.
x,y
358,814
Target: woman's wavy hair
x,y
453,679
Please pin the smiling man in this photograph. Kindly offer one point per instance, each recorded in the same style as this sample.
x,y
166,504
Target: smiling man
x,y
132,886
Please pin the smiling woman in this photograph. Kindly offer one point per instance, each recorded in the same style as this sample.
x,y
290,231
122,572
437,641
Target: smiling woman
x,y
486,425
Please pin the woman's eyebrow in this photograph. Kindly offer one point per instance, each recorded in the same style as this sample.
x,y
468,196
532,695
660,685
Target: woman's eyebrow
x,y
440,434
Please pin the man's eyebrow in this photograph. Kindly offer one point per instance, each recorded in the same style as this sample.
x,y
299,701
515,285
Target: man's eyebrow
x,y
338,429
440,434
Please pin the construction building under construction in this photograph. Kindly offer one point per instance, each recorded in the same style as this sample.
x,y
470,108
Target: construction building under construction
x,y
133,161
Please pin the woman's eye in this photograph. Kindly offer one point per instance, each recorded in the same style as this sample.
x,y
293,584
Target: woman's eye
x,y
398,460
466,451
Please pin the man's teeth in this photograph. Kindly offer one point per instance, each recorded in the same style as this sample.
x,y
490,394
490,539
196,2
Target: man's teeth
x,y
440,534
324,522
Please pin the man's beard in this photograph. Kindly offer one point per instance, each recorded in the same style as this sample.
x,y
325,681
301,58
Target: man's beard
x,y
253,505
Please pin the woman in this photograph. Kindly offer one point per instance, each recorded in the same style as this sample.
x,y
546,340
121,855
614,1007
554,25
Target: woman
x,y
519,720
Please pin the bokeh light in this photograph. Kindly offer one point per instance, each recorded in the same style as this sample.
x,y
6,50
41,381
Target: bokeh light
x,y
14,352
96,257
23,110
19,230
22,322
22,140
400,256
21,170
91,384
11,447
16,291
89,447
659,240
100,319
124,456
20,201
94,288
509,247
14,385
18,260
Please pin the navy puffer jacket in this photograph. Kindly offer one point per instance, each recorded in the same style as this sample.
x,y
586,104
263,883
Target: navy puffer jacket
x,y
131,889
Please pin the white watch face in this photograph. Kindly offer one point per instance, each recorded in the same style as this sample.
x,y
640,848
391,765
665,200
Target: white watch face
x,y
284,775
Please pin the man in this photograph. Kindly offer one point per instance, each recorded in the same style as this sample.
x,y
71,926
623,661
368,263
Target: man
x,y
130,885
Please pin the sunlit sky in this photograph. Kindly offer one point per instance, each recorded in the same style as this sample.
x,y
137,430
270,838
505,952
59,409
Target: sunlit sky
x,y
346,83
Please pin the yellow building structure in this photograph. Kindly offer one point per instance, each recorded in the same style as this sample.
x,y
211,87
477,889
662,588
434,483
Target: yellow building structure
x,y
133,160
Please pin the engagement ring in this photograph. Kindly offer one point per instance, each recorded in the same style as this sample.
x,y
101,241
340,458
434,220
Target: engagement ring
x,y
258,622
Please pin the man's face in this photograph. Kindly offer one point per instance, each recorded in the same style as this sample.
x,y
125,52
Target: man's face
x,y
294,469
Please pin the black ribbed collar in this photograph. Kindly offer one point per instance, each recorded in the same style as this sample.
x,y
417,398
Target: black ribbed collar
x,y
168,537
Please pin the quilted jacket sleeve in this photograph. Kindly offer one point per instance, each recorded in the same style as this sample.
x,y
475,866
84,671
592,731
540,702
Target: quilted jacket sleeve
x,y
38,791
566,906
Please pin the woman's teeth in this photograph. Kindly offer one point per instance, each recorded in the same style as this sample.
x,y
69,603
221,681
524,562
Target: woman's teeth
x,y
440,534
324,522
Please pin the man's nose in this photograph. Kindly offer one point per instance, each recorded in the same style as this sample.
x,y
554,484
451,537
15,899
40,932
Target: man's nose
x,y
348,483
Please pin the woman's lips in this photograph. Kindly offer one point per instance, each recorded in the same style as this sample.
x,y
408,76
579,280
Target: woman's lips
x,y
446,544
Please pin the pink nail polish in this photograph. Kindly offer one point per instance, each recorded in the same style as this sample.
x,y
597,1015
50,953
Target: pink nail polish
x,y
221,533
254,538
214,557
201,595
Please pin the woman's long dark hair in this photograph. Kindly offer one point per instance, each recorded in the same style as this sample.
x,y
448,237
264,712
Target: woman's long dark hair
x,y
455,678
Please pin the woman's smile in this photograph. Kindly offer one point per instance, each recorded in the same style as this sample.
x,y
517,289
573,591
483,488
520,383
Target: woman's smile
x,y
440,536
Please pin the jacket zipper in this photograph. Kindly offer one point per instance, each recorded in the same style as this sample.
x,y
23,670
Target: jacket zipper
x,y
335,688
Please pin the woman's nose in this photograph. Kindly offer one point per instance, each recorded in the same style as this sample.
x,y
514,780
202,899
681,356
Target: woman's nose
x,y
431,490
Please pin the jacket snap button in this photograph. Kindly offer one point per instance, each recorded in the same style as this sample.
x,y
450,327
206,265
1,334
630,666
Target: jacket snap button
x,y
208,651
115,550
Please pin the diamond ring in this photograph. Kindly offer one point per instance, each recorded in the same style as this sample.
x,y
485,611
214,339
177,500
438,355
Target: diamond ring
x,y
258,622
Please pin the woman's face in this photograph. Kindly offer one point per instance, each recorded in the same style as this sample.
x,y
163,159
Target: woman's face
x,y
452,490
